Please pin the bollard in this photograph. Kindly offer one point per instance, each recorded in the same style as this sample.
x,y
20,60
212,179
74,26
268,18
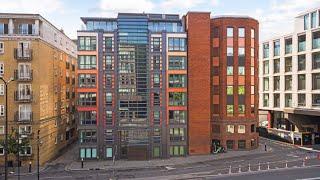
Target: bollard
x,y
230,170
303,163
259,167
286,164
249,168
30,167
239,169
81,162
268,166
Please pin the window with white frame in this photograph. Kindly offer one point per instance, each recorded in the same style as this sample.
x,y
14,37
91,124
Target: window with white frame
x,y
1,129
24,70
1,89
2,110
1,47
25,112
241,129
230,128
26,151
25,129
24,91
1,68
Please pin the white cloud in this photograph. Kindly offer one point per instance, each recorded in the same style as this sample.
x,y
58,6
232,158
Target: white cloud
x,y
111,7
31,6
279,18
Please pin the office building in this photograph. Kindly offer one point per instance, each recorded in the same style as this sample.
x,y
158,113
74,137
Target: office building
x,y
290,81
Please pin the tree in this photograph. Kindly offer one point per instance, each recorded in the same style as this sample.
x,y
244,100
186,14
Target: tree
x,y
14,146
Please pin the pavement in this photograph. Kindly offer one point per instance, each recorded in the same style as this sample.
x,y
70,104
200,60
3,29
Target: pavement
x,y
155,163
280,157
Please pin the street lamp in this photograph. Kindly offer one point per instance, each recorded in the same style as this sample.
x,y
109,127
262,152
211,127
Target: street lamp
x,y
6,128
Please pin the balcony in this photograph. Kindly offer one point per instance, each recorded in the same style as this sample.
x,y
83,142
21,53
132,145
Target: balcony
x,y
23,54
23,117
18,76
19,97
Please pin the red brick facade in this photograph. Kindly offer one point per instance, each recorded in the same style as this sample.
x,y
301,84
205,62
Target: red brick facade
x,y
249,119
198,30
208,81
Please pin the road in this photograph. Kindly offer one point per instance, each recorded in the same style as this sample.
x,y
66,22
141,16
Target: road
x,y
283,162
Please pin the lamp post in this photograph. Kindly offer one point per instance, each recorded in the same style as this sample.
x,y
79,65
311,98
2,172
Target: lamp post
x,y
6,129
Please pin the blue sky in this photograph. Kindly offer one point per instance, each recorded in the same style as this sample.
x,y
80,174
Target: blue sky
x,y
275,16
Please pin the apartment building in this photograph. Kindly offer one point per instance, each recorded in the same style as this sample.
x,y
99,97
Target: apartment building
x,y
290,81
41,61
146,87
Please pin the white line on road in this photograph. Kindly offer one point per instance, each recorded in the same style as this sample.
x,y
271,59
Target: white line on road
x,y
315,178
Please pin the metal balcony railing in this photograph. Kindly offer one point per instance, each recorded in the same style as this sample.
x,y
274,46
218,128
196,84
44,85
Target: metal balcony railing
x,y
23,54
23,97
18,76
25,117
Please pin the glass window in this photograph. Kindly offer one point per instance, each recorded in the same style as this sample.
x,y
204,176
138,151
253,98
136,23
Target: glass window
x,y
241,51
229,51
109,153
316,60
229,90
177,63
301,82
177,44
266,84
229,32
241,109
288,82
177,117
241,70
315,81
252,33
242,144
230,128
316,40
109,44
276,101
241,32
316,100
230,70
87,43
87,62
265,50
87,99
276,48
177,98
177,80
276,66
301,99
288,100
241,90
265,100
288,44
156,151
301,43
301,62
265,67
306,21
229,110
241,129
288,64
313,19
276,83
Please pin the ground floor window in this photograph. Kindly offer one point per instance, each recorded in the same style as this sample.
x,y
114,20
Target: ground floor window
x,y
230,144
109,153
1,150
242,144
156,151
88,153
253,142
177,151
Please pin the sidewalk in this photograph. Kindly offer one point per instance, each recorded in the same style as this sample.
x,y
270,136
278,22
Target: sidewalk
x,y
159,163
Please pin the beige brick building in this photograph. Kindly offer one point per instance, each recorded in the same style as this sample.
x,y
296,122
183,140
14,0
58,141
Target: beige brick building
x,y
42,61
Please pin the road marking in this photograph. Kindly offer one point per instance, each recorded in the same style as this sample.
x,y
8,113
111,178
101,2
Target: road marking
x,y
55,177
315,178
